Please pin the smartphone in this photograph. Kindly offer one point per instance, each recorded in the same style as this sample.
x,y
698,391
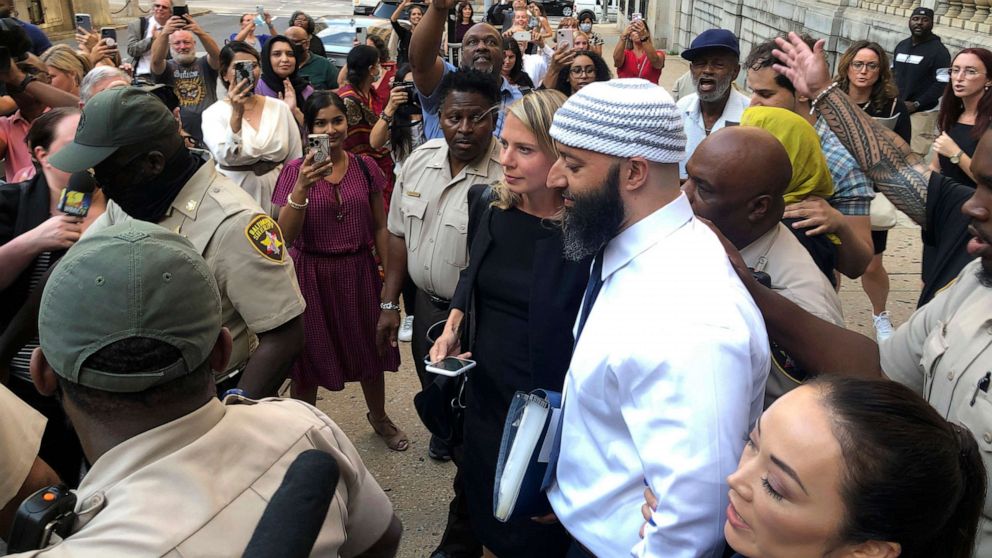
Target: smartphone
x,y
360,35
320,146
259,15
636,17
244,70
520,36
451,366
109,36
85,22
532,22
179,8
566,37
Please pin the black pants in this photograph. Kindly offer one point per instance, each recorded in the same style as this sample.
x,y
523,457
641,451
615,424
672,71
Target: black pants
x,y
458,540
60,447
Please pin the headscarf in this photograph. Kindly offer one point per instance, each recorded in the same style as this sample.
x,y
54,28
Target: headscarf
x,y
275,82
810,173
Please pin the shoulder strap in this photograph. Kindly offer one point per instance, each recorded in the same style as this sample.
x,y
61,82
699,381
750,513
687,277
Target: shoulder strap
x,y
365,170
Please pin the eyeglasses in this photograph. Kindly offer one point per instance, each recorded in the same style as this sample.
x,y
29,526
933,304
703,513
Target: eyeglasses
x,y
160,6
582,70
969,73
717,64
858,65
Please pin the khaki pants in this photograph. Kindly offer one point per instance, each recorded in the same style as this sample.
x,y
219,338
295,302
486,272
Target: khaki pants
x,y
924,131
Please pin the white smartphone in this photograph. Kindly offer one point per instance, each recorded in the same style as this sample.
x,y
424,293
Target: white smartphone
x,y
521,36
360,35
451,366
566,37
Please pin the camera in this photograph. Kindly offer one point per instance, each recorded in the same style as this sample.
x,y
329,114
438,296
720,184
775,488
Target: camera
x,y
412,104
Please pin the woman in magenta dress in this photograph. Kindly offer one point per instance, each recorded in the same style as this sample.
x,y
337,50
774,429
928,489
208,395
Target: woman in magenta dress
x,y
331,214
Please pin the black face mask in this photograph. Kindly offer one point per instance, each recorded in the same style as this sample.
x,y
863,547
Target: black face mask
x,y
149,200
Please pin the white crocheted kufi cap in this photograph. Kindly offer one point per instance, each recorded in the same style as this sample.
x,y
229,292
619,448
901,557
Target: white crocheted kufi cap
x,y
624,118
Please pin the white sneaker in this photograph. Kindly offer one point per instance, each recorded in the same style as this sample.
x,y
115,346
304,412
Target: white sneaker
x,y
406,330
883,326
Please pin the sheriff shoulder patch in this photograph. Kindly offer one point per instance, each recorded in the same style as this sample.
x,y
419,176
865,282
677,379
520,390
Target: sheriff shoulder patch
x,y
265,237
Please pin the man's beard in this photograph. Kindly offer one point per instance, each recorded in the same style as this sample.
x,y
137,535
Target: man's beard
x,y
184,59
721,89
593,219
485,66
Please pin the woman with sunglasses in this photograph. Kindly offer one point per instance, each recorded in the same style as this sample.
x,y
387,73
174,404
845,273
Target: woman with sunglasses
x,y
965,112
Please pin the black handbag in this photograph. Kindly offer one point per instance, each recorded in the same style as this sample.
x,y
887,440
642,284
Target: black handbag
x,y
441,405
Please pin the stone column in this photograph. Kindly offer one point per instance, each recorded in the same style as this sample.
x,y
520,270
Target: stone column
x,y
967,10
981,11
954,10
940,9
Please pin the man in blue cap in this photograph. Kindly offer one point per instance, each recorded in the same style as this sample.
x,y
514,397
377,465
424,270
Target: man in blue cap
x,y
714,62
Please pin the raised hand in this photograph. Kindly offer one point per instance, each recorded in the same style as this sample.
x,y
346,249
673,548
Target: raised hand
x,y
806,68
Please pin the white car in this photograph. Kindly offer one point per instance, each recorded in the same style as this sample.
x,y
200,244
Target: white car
x,y
594,8
364,7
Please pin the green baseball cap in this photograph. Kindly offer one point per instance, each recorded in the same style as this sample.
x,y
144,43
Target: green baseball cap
x,y
114,118
135,279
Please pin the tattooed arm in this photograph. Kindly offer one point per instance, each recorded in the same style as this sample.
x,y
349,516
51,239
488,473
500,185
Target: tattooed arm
x,y
887,160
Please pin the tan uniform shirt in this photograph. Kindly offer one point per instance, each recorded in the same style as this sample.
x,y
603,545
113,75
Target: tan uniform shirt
x,y
160,494
242,246
21,428
795,276
429,209
944,352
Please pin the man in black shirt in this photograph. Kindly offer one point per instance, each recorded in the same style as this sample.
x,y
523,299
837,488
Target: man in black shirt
x,y
915,62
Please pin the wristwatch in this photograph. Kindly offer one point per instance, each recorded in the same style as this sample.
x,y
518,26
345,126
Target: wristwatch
x,y
389,306
956,158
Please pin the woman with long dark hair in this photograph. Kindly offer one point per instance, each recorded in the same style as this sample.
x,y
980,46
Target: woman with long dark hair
x,y
331,213
863,73
513,64
249,135
965,113
400,126
466,17
584,68
837,467
281,60
364,108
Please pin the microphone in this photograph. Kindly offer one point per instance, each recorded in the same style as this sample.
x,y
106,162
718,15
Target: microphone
x,y
292,520
77,194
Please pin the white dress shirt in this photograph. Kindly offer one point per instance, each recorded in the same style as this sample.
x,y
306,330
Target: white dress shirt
x,y
695,129
665,382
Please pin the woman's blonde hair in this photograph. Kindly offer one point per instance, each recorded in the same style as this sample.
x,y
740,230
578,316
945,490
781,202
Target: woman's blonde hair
x,y
64,58
535,111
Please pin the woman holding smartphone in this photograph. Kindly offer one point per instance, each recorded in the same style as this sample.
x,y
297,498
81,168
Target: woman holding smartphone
x,y
331,213
522,296
250,136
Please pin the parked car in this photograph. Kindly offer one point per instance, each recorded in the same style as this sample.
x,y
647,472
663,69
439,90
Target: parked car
x,y
563,8
364,7
338,37
595,9
385,9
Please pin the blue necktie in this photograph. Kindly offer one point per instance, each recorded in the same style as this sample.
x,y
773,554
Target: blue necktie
x,y
592,291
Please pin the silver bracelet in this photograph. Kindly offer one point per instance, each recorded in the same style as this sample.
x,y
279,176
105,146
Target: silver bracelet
x,y
812,105
391,306
297,206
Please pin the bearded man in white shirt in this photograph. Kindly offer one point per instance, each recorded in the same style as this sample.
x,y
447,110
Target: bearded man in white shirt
x,y
671,358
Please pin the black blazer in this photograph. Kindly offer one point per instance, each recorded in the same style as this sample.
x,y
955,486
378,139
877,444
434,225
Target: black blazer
x,y
555,296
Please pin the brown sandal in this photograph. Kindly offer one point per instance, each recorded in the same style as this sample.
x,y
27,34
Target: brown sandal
x,y
395,438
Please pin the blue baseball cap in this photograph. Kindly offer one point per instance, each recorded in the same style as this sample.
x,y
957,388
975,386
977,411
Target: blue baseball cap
x,y
713,39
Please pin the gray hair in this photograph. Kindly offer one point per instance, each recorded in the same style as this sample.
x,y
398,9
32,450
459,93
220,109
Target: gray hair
x,y
99,75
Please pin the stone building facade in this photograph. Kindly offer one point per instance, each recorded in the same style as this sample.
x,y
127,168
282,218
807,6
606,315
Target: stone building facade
x,y
959,23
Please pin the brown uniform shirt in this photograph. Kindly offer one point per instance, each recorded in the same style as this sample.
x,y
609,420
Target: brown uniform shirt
x,y
243,247
21,428
944,352
197,486
429,209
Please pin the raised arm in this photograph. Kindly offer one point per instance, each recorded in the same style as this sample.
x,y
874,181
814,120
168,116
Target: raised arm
x,y
208,42
160,46
887,160
427,67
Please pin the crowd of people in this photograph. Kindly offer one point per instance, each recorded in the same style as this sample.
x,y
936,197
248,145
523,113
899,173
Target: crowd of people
x,y
182,234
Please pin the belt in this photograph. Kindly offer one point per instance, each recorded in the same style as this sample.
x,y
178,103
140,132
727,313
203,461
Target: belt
x,y
443,303
260,168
